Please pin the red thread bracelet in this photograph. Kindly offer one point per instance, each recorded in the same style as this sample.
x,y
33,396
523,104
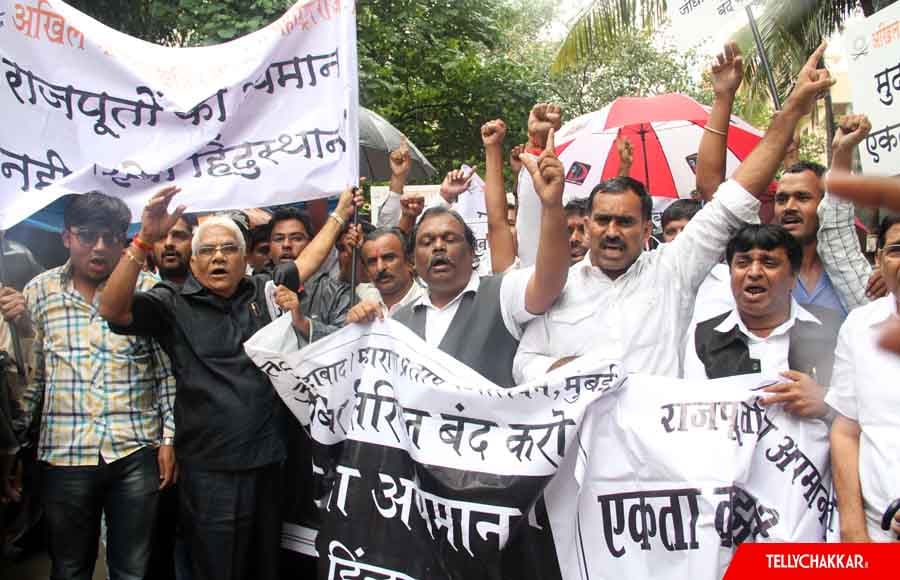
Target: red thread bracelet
x,y
141,244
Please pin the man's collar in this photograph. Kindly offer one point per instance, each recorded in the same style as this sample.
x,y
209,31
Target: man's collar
x,y
587,266
797,313
472,286
882,310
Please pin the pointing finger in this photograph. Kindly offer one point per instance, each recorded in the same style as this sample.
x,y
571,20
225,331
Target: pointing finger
x,y
813,60
551,142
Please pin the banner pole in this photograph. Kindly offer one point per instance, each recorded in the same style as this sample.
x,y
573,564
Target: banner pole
x,y
763,58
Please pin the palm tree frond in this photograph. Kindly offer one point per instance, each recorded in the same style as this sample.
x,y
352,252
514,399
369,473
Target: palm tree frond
x,y
602,23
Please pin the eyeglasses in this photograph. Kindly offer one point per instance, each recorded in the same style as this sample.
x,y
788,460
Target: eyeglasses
x,y
891,251
88,237
227,250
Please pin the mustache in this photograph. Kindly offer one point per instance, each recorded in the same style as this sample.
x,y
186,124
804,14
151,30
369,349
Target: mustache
x,y
791,214
612,243
439,259
383,276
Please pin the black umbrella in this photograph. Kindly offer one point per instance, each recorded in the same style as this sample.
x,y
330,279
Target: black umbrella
x,y
377,138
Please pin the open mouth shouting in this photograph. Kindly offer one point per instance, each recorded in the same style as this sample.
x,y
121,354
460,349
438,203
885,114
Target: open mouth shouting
x,y
755,292
440,263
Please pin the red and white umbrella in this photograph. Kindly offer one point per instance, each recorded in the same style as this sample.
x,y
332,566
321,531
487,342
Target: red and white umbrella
x,y
665,134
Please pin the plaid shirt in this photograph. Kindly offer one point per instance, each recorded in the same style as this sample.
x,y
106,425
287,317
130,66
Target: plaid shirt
x,y
839,250
101,394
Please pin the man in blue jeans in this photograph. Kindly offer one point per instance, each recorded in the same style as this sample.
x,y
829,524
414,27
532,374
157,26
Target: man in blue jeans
x,y
105,403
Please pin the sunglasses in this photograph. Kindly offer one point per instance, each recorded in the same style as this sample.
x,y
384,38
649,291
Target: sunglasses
x,y
89,237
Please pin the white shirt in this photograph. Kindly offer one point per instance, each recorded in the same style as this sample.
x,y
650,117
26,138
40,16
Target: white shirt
x,y
368,291
771,351
645,312
714,296
865,387
512,306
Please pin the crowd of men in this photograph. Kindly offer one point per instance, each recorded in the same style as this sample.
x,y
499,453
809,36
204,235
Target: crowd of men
x,y
151,416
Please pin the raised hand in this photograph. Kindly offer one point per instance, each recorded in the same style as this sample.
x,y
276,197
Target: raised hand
x,y
811,83
546,173
728,71
493,133
350,198
626,155
543,117
456,182
851,131
156,221
515,159
400,160
412,206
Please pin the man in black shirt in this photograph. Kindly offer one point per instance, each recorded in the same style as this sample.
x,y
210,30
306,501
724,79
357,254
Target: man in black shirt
x,y
228,420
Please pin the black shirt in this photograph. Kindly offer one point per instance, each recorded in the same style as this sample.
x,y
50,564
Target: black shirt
x,y
227,414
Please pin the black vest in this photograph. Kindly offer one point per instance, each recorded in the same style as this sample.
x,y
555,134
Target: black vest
x,y
725,354
477,336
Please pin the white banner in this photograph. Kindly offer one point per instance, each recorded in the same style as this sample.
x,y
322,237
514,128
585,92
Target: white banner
x,y
266,119
648,476
671,476
873,49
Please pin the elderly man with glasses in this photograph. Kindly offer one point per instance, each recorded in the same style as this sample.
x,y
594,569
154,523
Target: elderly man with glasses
x,y
230,423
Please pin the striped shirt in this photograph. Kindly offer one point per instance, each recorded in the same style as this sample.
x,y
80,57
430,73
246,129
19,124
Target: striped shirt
x,y
101,394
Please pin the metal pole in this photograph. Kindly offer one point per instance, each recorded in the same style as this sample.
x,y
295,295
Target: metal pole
x,y
355,259
764,59
13,332
829,119
643,132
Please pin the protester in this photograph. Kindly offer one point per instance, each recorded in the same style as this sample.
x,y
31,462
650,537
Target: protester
x,y
389,266
172,254
259,251
643,300
323,301
542,118
461,313
676,216
797,199
390,211
871,191
229,421
865,438
848,268
106,401
501,240
767,332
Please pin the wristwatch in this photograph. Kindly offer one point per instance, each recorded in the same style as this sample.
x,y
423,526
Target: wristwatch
x,y
168,441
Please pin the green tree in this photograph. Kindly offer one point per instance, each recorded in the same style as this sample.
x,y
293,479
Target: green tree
x,y
633,66
790,31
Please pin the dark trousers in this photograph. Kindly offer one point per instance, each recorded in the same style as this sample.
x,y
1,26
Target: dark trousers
x,y
232,522
74,499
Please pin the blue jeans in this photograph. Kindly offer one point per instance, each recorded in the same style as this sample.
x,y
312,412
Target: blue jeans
x,y
74,499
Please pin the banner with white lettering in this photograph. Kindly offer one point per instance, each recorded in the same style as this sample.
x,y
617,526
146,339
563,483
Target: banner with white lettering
x,y
873,47
424,469
266,119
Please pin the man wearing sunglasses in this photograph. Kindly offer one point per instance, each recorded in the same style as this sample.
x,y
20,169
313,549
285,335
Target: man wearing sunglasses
x,y
105,402
230,422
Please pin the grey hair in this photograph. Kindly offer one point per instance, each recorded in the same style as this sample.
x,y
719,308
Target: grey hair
x,y
220,221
